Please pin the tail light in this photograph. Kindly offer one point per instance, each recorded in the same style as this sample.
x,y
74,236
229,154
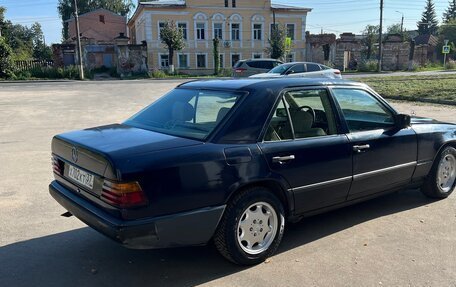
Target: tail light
x,y
57,165
337,72
239,70
123,194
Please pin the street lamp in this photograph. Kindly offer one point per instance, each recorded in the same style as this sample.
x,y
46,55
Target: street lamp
x,y
402,21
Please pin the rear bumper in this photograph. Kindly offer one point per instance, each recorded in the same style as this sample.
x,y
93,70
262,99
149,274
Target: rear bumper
x,y
181,229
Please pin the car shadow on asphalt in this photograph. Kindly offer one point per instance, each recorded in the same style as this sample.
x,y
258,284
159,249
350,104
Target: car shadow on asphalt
x,y
82,257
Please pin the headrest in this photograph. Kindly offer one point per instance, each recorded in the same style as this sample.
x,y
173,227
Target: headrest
x,y
222,113
183,111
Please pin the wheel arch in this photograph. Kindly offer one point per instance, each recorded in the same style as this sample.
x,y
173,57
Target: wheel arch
x,y
275,186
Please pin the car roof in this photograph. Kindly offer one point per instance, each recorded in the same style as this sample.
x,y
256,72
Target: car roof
x,y
265,83
260,59
304,63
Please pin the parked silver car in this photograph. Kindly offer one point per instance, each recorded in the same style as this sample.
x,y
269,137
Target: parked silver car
x,y
245,68
301,69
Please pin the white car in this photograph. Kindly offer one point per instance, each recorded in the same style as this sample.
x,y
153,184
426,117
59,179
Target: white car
x,y
301,69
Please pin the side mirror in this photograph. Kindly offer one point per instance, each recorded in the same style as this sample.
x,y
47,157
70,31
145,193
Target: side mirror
x,y
402,121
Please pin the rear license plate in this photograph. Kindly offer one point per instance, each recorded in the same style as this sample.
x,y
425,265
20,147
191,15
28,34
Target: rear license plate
x,y
80,176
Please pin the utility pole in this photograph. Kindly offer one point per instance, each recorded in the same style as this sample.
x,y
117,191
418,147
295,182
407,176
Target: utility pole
x,y
380,39
78,39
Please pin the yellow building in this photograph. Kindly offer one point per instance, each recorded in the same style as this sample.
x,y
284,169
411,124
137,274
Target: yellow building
x,y
242,26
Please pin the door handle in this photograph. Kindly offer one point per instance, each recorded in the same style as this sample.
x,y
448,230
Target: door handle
x,y
361,148
282,159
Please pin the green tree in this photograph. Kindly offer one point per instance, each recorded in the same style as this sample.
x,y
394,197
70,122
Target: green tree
x,y
277,42
371,35
66,10
450,12
397,29
428,23
173,39
2,18
215,52
40,50
6,63
447,31
20,39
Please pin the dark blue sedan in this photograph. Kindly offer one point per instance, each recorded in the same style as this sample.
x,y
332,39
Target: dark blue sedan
x,y
233,160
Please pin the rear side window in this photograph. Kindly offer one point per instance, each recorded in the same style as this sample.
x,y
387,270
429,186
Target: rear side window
x,y
313,68
256,64
323,67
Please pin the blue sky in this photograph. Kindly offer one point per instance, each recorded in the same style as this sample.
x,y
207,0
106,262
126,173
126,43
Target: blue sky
x,y
333,16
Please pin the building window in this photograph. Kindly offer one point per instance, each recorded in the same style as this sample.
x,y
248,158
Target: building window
x,y
257,55
221,60
218,30
257,31
235,32
102,19
290,57
200,33
201,60
164,60
234,59
233,3
183,60
183,27
161,25
226,3
291,31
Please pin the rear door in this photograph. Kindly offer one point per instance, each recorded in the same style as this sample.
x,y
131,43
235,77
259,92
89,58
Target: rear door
x,y
302,144
384,157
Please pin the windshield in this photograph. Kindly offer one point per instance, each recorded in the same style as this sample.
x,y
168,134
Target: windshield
x,y
187,113
280,69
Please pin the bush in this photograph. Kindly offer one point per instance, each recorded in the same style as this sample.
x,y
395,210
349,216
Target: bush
x,y
414,67
6,63
450,65
368,66
157,74
226,73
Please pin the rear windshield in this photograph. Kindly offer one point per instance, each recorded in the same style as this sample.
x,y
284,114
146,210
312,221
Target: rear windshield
x,y
186,113
238,64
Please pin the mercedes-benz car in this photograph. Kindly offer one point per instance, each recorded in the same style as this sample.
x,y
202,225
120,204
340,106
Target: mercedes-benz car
x,y
233,161
301,69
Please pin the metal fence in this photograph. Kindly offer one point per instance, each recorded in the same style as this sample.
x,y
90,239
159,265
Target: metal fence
x,y
31,64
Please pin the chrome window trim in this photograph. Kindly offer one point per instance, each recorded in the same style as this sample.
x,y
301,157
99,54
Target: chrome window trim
x,y
354,177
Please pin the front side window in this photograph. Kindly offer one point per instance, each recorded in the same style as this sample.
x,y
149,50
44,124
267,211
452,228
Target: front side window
x,y
200,31
187,113
298,68
235,32
280,69
218,30
201,61
362,111
183,28
257,31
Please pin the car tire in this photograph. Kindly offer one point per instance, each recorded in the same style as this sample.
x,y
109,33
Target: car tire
x,y
441,181
251,228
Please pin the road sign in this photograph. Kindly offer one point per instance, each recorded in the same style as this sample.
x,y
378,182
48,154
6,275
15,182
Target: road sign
x,y
446,49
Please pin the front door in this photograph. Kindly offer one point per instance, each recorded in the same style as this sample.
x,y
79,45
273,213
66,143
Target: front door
x,y
384,157
303,145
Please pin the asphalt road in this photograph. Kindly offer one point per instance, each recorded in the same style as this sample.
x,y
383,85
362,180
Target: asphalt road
x,y
402,239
